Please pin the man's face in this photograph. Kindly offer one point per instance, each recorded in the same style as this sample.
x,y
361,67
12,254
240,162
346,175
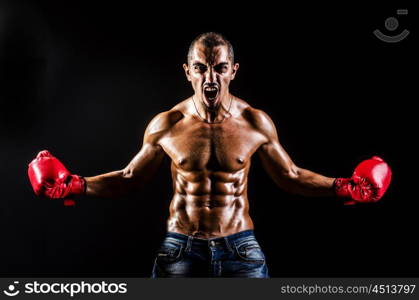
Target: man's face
x,y
210,71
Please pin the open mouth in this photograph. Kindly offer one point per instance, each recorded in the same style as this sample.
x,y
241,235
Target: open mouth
x,y
211,93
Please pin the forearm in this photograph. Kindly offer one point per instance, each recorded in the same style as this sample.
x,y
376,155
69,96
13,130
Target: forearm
x,y
308,183
111,184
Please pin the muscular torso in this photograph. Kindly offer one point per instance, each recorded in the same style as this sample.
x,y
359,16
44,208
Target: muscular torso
x,y
210,165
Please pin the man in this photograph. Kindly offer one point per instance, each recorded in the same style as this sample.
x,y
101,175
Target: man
x,y
210,138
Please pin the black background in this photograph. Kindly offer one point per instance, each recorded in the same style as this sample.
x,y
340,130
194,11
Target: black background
x,y
83,80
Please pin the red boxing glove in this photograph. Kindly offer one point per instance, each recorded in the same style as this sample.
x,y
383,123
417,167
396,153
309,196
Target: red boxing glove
x,y
50,178
368,183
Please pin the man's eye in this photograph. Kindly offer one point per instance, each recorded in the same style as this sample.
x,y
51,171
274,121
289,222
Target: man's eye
x,y
223,68
200,68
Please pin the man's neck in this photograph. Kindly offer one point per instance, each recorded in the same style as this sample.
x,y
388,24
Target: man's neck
x,y
216,115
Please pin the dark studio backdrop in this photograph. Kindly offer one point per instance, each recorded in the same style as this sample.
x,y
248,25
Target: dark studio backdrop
x,y
83,81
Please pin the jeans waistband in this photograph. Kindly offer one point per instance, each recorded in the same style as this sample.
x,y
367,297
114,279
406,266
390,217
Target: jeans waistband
x,y
227,241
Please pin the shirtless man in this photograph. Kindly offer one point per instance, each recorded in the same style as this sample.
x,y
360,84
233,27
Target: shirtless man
x,y
210,138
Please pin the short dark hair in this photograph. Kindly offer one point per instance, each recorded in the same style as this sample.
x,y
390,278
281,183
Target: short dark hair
x,y
211,40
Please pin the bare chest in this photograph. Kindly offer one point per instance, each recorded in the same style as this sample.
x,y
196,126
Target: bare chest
x,y
198,146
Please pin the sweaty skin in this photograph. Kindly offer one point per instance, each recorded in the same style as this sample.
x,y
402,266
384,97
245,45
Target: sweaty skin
x,y
210,144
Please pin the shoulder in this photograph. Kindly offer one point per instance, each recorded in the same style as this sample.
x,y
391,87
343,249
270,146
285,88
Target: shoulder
x,y
167,119
162,123
259,120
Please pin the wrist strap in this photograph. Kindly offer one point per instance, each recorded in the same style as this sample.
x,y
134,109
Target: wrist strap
x,y
341,187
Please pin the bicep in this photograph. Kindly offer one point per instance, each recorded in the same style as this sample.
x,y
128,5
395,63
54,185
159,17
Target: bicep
x,y
150,157
276,160
147,160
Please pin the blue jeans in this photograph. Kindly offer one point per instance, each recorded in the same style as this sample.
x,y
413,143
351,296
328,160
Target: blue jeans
x,y
236,255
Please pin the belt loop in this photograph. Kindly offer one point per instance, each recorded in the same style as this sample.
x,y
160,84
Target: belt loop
x,y
228,244
189,244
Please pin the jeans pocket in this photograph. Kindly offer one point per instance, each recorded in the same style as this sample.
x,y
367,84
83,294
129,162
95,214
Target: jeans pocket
x,y
250,251
169,252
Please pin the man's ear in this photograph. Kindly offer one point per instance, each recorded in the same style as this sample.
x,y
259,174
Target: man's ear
x,y
235,68
186,68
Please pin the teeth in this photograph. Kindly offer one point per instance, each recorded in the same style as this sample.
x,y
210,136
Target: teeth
x,y
210,89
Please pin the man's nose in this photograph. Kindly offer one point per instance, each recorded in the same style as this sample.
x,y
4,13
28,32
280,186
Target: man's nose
x,y
211,75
